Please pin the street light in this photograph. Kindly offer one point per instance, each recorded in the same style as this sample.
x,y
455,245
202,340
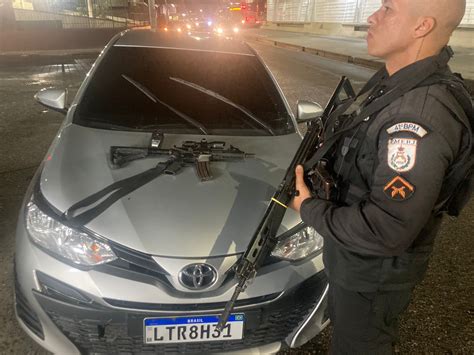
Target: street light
x,y
152,13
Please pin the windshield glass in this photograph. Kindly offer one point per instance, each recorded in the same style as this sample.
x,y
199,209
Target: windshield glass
x,y
183,91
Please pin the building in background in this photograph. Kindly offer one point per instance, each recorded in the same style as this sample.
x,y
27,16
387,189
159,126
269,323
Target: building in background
x,y
69,14
344,17
337,11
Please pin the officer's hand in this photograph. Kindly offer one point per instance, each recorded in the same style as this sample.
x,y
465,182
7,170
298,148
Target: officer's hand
x,y
304,192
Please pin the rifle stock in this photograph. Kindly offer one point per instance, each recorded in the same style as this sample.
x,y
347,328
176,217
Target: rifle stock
x,y
120,156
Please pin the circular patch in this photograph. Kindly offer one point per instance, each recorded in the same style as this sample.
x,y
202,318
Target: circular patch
x,y
401,154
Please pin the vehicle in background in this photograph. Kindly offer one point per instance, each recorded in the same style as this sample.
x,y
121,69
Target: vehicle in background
x,y
203,25
248,14
228,28
179,26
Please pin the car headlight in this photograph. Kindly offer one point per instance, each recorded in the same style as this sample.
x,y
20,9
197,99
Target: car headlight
x,y
236,29
305,242
64,241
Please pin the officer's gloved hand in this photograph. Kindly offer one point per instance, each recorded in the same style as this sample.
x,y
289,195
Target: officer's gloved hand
x,y
302,189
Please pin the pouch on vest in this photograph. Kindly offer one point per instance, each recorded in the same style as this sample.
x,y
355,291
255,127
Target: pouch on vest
x,y
462,194
460,183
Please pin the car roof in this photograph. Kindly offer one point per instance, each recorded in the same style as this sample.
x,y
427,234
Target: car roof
x,y
182,41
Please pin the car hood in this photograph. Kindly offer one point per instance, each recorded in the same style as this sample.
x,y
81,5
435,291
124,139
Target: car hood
x,y
176,216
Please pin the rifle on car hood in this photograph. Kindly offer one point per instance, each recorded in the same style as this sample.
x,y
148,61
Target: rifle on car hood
x,y
199,154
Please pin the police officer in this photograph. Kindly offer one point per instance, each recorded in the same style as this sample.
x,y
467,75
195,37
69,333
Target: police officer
x,y
391,171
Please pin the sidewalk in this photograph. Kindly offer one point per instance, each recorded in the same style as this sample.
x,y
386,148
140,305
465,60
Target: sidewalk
x,y
348,49
46,57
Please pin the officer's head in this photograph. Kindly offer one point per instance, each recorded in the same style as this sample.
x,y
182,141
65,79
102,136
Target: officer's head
x,y
405,31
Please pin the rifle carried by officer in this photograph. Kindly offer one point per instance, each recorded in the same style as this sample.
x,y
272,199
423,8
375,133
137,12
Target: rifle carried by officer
x,y
199,154
265,237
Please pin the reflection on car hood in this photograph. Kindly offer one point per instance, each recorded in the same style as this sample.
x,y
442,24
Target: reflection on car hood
x,y
172,215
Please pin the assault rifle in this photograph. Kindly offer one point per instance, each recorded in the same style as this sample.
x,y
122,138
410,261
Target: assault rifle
x,y
265,237
199,154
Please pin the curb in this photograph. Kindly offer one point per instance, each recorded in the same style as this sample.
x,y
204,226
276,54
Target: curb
x,y
367,63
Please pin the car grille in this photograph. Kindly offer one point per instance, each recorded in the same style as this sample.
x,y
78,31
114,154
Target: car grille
x,y
138,266
104,330
189,307
134,265
142,262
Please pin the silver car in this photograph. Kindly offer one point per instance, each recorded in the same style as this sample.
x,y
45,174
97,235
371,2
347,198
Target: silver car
x,y
152,269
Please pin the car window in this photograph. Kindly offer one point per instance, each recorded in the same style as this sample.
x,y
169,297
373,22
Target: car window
x,y
178,91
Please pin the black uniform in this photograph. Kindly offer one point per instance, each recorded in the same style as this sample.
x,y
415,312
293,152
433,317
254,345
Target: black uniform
x,y
379,233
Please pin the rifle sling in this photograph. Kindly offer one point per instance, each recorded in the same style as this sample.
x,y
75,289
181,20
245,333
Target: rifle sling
x,y
115,191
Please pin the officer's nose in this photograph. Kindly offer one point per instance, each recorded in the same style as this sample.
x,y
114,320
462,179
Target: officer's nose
x,y
372,18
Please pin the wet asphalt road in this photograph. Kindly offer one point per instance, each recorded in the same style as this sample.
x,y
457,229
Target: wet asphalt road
x,y
440,319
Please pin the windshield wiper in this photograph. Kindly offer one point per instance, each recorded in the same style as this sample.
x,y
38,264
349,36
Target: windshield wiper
x,y
226,100
143,89
105,125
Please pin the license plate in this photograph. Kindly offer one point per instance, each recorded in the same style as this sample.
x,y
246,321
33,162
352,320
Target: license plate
x,y
192,329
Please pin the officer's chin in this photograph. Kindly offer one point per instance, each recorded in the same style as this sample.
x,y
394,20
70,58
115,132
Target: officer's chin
x,y
372,48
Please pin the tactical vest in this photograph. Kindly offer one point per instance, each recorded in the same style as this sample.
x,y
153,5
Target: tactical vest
x,y
372,273
459,181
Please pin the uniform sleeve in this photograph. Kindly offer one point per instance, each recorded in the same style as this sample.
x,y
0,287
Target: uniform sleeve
x,y
406,185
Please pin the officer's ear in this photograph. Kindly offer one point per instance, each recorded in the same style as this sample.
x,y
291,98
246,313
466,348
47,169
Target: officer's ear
x,y
424,26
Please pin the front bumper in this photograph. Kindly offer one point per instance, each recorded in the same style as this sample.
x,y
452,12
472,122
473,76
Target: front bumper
x,y
67,310
93,328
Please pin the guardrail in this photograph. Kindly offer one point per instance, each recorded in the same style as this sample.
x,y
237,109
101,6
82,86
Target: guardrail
x,y
32,19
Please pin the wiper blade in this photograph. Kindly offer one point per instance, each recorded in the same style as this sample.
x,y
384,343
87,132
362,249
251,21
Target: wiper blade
x,y
154,127
226,100
112,126
143,89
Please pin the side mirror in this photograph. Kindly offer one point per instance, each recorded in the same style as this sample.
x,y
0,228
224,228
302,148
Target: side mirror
x,y
55,99
307,111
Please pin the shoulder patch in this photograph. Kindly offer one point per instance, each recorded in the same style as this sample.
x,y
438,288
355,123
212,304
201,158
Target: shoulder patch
x,y
399,189
401,154
408,127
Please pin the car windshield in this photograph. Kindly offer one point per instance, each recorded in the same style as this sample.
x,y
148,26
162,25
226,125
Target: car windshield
x,y
183,91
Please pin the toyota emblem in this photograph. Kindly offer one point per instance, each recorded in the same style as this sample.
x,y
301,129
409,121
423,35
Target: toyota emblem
x,y
197,276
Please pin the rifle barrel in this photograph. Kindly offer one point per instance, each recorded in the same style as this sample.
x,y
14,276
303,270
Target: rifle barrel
x,y
230,304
